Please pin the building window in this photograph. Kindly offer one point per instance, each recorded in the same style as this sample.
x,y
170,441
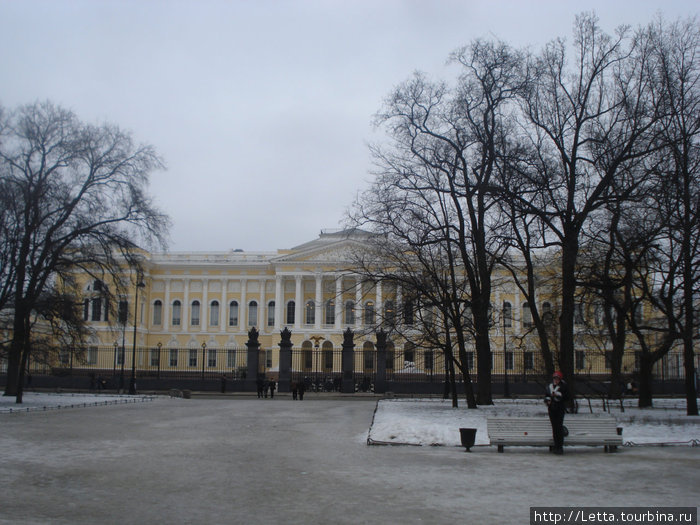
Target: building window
x,y
389,312
177,313
368,354
369,313
86,309
580,357
528,361
428,359
211,362
547,313
157,312
195,314
578,314
97,309
350,312
390,356
173,357
527,315
330,312
252,313
507,314
509,360
155,357
328,356
409,353
120,356
308,358
271,313
291,314
608,359
233,313
470,360
408,313
310,312
231,359
193,357
214,313
92,355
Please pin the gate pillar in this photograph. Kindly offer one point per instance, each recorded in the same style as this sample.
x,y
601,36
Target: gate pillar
x,y
380,381
347,385
285,378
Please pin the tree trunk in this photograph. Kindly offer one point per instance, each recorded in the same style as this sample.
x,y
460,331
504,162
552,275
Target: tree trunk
x,y
645,378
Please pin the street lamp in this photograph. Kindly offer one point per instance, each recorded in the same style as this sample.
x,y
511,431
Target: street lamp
x,y
132,382
204,355
506,386
160,345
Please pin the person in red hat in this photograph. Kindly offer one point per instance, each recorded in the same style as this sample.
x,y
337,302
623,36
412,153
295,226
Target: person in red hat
x,y
556,399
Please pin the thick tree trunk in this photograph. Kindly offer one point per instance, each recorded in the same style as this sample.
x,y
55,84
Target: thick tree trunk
x,y
645,378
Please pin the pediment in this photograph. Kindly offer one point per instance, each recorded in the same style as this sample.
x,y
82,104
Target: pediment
x,y
340,252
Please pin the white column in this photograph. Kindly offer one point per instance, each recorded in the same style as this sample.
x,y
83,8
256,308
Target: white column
x,y
223,309
185,318
243,307
298,300
358,302
339,301
319,300
204,314
279,299
167,308
262,309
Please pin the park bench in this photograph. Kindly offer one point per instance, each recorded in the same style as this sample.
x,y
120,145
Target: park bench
x,y
537,431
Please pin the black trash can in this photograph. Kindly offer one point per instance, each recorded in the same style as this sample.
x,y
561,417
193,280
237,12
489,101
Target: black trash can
x,y
468,437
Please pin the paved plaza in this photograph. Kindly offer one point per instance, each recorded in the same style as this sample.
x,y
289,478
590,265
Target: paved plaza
x,y
244,460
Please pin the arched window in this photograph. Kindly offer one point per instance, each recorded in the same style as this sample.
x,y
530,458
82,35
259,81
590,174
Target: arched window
x,y
252,313
330,311
157,312
177,313
310,312
368,355
350,312
291,312
214,313
369,312
327,356
97,308
194,317
233,313
507,314
271,313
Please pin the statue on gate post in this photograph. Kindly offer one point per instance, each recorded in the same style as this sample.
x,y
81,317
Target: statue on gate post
x,y
285,368
253,360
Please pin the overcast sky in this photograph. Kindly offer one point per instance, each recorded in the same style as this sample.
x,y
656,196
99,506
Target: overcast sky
x,y
262,110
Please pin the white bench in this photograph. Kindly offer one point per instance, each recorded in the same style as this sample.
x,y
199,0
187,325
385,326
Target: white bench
x,y
537,431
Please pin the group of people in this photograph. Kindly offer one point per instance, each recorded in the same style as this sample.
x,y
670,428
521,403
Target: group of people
x,y
266,386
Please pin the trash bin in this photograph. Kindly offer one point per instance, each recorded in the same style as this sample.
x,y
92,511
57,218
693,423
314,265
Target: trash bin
x,y
468,437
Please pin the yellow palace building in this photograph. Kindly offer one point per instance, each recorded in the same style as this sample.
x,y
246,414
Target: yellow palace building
x,y
195,312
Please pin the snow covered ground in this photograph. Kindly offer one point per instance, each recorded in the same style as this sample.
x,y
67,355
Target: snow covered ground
x,y
435,422
32,401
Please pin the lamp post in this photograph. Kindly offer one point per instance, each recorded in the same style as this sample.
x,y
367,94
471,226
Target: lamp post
x,y
132,381
506,386
114,366
317,340
160,345
204,355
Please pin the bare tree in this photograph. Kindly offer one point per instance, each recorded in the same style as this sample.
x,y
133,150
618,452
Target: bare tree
x,y
79,202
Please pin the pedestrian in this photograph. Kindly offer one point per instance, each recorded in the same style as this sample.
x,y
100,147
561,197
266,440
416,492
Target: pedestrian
x,y
273,385
266,387
100,383
556,399
302,388
223,384
295,390
259,385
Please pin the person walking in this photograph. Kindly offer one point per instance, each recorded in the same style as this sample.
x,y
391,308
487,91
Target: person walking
x,y
273,385
556,398
302,389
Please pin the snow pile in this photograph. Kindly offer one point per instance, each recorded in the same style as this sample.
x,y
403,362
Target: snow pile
x,y
436,422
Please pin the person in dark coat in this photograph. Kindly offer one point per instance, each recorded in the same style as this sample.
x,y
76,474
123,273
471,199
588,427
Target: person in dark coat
x,y
273,385
259,383
556,399
295,390
302,389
